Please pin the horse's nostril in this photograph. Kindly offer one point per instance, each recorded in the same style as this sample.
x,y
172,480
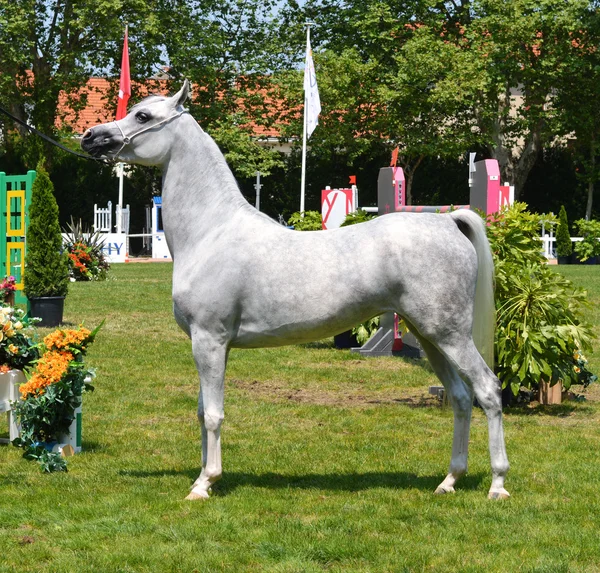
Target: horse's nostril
x,y
87,134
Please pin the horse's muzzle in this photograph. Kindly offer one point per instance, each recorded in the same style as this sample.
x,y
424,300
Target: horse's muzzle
x,y
101,141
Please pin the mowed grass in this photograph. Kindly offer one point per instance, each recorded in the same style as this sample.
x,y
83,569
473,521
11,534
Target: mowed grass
x,y
330,462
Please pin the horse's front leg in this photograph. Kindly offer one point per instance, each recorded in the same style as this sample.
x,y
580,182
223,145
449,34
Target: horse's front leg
x,y
211,359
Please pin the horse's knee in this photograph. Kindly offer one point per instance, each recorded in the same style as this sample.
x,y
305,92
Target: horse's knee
x,y
211,421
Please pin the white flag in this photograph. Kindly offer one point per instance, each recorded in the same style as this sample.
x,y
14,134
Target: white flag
x,y
312,103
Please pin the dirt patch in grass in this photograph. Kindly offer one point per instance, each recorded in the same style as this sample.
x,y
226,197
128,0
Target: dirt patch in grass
x,y
356,397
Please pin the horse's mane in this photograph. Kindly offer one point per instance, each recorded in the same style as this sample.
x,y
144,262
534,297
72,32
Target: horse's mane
x,y
149,99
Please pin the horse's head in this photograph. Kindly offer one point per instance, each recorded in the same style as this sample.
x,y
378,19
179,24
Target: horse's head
x,y
135,138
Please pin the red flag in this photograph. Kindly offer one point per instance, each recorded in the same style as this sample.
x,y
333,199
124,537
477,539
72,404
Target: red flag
x,y
352,179
394,157
125,82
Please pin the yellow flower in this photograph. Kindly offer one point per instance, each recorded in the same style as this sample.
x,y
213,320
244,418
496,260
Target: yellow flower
x,y
1,336
18,325
577,369
13,349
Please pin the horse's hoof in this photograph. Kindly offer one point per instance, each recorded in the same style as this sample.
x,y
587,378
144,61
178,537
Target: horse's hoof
x,y
443,490
499,494
193,496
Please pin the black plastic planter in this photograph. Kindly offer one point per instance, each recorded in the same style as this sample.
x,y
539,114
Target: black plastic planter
x,y
48,308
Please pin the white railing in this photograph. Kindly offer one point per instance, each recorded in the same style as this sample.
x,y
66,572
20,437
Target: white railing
x,y
123,214
550,245
103,218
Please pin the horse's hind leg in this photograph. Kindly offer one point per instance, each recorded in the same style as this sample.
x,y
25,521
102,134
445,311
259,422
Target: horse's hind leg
x,y
211,359
461,398
474,371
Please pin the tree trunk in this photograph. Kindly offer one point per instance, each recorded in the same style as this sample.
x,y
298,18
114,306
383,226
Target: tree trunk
x,y
409,175
590,197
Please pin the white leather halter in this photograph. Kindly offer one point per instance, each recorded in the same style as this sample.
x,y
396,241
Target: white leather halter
x,y
127,138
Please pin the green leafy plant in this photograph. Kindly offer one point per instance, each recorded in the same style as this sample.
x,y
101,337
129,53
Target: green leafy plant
x,y
51,395
311,221
540,322
359,216
589,246
84,250
46,269
564,246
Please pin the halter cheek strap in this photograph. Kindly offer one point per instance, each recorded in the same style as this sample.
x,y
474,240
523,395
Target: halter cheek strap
x,y
127,139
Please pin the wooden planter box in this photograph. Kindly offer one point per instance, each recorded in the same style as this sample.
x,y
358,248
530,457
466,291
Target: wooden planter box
x,y
550,394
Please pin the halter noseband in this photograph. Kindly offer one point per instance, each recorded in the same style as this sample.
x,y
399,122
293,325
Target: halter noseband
x,y
127,139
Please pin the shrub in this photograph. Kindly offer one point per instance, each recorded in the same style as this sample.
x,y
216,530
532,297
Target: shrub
x,y
590,245
359,216
46,270
541,329
311,221
564,246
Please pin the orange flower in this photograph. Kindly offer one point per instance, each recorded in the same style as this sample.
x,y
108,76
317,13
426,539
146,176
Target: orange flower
x,y
61,339
49,370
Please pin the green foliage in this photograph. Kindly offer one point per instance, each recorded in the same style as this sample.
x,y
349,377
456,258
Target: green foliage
x,y
307,221
564,246
359,216
46,270
540,314
589,246
366,329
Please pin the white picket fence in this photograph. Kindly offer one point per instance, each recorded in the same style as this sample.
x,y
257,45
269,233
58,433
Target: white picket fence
x,y
550,245
103,218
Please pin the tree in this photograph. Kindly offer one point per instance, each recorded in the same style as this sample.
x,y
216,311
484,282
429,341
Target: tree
x,y
577,101
46,267
513,54
49,50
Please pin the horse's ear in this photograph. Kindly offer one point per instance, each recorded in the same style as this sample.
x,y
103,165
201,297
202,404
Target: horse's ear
x,y
180,97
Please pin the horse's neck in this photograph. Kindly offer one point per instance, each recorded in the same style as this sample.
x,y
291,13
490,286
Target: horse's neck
x,y
199,190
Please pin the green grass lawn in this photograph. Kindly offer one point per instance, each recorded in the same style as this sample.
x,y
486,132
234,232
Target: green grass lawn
x,y
330,462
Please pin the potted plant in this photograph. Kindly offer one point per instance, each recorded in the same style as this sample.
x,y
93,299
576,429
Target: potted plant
x,y
46,275
85,256
541,327
588,249
18,350
49,408
564,246
7,291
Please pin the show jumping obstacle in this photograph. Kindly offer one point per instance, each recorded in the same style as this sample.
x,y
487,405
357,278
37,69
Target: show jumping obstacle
x,y
236,278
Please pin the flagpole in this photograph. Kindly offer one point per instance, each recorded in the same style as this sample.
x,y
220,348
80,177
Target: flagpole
x,y
304,130
121,112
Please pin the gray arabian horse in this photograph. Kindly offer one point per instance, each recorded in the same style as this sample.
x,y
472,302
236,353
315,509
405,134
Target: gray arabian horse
x,y
241,280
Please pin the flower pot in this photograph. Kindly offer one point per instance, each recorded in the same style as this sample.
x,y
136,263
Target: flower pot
x,y
48,308
564,260
345,340
550,394
73,437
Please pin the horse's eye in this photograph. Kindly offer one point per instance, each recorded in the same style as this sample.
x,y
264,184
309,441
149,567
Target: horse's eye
x,y
142,117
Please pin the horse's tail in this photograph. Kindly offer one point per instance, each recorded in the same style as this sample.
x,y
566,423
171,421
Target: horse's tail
x,y
484,313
